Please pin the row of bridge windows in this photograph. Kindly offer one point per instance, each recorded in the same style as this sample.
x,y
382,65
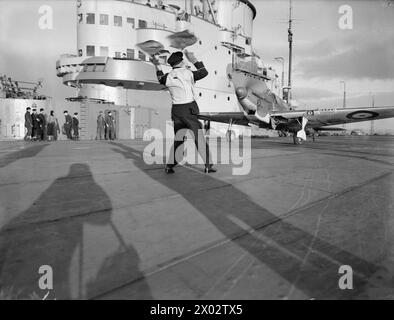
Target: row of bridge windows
x,y
104,52
117,20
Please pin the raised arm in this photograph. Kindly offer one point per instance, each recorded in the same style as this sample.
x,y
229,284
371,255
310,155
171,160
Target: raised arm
x,y
159,73
201,72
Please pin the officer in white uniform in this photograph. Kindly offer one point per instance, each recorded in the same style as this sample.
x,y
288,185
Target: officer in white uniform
x,y
180,82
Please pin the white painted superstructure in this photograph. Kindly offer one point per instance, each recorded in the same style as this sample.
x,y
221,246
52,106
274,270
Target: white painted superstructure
x,y
109,66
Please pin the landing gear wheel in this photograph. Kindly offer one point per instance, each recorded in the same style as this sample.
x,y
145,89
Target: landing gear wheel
x,y
297,140
230,135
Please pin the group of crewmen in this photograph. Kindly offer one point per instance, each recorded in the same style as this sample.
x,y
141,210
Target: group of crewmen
x,y
40,126
105,126
43,127
71,126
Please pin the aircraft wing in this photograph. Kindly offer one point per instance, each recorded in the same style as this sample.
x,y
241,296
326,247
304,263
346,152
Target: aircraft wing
x,y
292,120
318,119
238,118
329,129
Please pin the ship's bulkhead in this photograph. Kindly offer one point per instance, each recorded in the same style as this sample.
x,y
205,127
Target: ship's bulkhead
x,y
109,66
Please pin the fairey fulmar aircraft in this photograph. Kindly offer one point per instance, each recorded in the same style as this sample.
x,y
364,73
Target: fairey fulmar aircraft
x,y
261,107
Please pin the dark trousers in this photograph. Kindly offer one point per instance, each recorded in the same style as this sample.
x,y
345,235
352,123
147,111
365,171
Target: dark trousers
x,y
40,133
110,133
184,116
76,132
34,132
45,133
29,133
100,132
67,129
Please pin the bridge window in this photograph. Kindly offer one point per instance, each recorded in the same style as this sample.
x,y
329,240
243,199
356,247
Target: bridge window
x,y
90,18
104,51
142,24
131,22
141,56
90,51
104,19
80,17
117,21
130,53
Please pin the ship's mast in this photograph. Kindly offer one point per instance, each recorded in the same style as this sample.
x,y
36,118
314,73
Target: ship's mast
x,y
290,39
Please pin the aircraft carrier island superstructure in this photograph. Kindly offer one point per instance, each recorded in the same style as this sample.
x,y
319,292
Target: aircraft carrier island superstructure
x,y
109,66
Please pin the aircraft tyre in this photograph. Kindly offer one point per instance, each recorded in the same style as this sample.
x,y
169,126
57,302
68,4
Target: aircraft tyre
x,y
296,140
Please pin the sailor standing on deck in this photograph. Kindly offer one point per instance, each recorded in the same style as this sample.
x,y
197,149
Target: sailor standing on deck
x,y
41,125
34,121
110,125
75,126
67,125
100,126
28,124
180,82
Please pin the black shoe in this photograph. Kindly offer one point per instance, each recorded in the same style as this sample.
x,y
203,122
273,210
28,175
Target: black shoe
x,y
210,169
169,170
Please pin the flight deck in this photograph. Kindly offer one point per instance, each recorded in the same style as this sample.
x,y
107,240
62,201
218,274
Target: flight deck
x,y
112,227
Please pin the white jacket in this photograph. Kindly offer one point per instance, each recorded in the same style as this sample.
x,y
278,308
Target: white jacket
x,y
180,83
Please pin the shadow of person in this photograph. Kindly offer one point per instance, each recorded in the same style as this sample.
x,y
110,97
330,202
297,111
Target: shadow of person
x,y
304,260
52,232
29,152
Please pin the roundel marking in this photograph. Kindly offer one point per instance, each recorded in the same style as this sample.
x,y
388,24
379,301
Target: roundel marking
x,y
357,115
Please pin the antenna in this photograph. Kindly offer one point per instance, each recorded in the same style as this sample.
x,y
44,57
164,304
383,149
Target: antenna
x,y
290,40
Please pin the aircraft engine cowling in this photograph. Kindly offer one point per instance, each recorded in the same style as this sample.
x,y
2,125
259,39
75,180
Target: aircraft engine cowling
x,y
246,100
252,104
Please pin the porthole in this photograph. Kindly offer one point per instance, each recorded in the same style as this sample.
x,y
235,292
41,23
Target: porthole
x,y
200,42
228,98
216,72
200,94
216,47
214,96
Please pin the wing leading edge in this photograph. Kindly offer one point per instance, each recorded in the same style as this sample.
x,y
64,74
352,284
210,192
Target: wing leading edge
x,y
325,117
316,118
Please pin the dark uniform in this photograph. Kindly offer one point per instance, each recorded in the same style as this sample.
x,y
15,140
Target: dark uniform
x,y
28,126
67,126
75,127
180,82
41,129
110,125
100,126
35,122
